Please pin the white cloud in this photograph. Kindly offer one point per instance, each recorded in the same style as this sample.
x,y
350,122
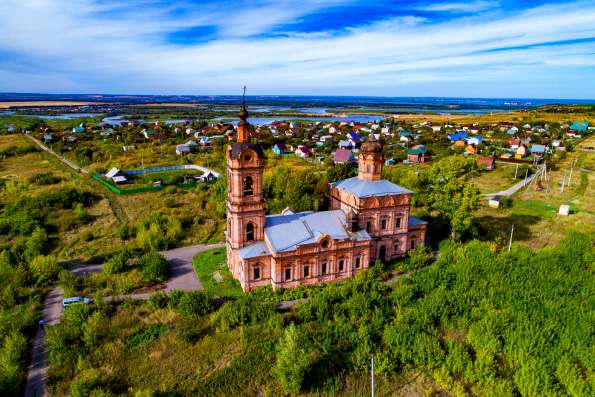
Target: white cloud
x,y
68,46
469,6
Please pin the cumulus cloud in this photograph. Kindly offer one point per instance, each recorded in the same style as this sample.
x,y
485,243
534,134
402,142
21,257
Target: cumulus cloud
x,y
111,46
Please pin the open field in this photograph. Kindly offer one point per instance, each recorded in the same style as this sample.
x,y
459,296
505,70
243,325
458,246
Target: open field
x,y
211,269
6,105
501,178
534,213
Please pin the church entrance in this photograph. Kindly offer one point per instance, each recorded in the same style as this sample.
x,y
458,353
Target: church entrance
x,y
382,253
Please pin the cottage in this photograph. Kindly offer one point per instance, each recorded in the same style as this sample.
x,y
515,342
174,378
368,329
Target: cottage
x,y
459,136
48,138
476,140
514,142
487,163
79,129
354,137
183,149
418,154
522,151
512,131
341,156
538,150
279,149
471,149
302,151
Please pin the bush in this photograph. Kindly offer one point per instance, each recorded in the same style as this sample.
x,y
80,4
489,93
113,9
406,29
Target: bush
x,y
123,232
158,231
158,300
196,303
44,269
154,267
37,244
292,361
418,258
12,363
117,263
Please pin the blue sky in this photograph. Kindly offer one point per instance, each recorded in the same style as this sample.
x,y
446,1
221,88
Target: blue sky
x,y
477,48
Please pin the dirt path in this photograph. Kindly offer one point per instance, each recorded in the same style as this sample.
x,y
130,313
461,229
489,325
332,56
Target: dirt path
x,y
61,158
182,275
38,370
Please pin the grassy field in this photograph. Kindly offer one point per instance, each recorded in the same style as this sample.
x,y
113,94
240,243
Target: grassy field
x,y
211,268
534,213
501,178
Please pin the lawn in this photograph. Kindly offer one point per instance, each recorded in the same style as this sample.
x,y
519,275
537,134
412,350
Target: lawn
x,y
501,178
211,268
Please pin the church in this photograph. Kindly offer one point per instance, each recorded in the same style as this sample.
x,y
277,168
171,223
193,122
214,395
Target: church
x,y
368,220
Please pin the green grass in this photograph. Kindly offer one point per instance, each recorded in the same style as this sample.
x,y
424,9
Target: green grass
x,y
211,269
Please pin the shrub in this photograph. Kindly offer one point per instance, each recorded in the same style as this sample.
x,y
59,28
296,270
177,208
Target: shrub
x,y
12,363
117,263
154,267
37,244
419,258
44,269
195,303
158,300
292,361
123,232
158,231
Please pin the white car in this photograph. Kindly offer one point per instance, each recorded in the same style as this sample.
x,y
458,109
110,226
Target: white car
x,y
76,299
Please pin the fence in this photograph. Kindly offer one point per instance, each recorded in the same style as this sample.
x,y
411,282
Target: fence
x,y
117,190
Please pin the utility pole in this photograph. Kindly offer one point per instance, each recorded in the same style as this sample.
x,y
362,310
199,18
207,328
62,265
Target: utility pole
x,y
372,355
563,182
571,169
516,170
526,175
510,240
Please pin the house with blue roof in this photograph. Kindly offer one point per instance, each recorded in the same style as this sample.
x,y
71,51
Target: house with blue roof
x,y
369,220
279,149
354,137
459,136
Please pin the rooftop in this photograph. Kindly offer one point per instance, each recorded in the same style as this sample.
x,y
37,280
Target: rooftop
x,y
364,188
285,232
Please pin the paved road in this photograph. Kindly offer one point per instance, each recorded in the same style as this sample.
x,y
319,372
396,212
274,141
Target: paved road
x,y
38,370
516,187
182,276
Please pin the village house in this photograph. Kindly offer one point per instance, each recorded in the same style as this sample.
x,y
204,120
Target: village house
x,y
302,151
369,219
418,154
521,152
341,156
279,149
487,163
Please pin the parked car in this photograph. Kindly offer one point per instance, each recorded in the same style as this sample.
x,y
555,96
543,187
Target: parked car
x,y
76,299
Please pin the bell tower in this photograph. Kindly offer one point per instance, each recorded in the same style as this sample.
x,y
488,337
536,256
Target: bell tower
x,y
371,160
245,198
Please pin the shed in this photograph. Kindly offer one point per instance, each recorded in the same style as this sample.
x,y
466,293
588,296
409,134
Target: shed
x,y
564,210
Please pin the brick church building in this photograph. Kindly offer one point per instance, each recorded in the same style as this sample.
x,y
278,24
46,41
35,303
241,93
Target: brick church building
x,y
368,220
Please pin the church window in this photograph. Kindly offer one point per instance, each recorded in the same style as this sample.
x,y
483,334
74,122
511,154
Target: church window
x,y
247,157
323,268
257,273
306,271
341,264
248,186
398,222
288,274
383,224
357,262
250,232
412,244
368,226
325,244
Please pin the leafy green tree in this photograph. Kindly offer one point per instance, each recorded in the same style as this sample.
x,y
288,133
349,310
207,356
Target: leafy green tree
x,y
44,269
154,266
338,172
292,361
450,192
117,263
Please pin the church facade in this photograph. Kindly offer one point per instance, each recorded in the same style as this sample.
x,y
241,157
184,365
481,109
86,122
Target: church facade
x,y
368,220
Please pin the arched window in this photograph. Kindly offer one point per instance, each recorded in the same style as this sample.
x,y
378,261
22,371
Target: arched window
x,y
382,253
248,186
250,232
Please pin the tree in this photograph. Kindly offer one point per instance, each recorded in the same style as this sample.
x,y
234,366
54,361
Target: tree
x,y
451,194
292,361
341,171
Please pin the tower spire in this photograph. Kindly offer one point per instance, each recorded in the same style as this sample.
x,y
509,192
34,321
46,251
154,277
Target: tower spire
x,y
243,124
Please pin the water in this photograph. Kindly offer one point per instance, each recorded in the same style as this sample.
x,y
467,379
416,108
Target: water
x,y
358,118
